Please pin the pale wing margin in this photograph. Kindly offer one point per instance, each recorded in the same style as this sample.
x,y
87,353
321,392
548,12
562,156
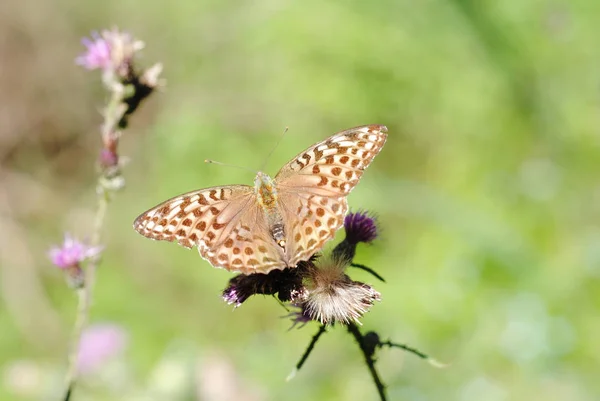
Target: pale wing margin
x,y
334,166
226,224
190,218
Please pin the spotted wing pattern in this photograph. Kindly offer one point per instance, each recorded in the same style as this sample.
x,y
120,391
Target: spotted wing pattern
x,y
311,220
230,227
224,222
313,186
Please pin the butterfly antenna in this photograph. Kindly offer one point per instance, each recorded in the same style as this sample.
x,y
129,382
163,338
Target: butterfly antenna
x,y
273,150
228,165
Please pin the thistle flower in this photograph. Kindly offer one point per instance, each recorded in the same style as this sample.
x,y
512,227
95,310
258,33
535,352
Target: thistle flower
x,y
98,54
69,256
331,296
360,227
299,317
236,292
111,51
287,284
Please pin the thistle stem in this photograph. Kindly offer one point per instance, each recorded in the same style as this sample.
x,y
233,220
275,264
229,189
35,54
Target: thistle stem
x,y
85,294
368,269
358,336
311,346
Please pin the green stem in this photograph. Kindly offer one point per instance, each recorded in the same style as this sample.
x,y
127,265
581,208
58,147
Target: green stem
x,y
84,298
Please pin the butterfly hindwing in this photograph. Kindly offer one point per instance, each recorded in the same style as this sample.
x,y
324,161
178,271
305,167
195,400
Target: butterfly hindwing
x,y
313,220
247,247
313,186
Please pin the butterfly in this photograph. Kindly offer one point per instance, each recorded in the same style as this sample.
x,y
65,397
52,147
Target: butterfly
x,y
278,222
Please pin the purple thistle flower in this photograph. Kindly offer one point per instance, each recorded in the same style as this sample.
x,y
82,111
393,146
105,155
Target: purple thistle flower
x,y
234,294
98,53
300,317
287,284
360,227
111,51
99,343
72,253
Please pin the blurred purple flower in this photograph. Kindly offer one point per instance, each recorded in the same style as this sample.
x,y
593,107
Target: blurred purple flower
x,y
360,227
72,252
98,53
108,158
99,343
110,51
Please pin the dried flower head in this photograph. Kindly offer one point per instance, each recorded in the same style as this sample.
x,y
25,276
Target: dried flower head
x,y
332,296
360,227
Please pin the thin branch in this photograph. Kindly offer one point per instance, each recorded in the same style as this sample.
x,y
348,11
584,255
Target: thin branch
x,y
433,362
309,349
353,329
405,348
368,269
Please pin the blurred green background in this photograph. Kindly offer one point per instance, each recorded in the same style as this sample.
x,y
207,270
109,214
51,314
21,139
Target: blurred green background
x,y
487,191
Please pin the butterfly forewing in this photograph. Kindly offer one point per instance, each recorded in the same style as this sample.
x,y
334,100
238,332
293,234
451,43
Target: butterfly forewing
x,y
334,166
226,224
196,217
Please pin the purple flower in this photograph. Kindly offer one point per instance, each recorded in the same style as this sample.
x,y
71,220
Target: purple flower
x,y
99,343
235,294
98,53
108,158
111,50
360,227
287,284
72,253
300,317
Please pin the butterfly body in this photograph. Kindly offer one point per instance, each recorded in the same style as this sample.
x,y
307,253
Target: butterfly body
x,y
266,195
279,221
